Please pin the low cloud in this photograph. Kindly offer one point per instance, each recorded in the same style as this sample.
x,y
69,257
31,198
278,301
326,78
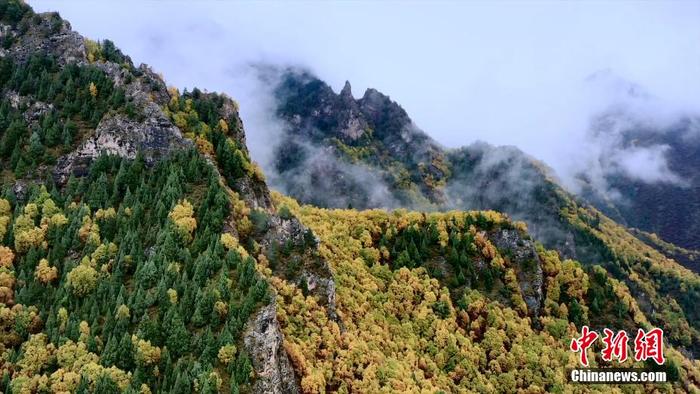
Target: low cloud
x,y
506,73
613,137
324,179
647,164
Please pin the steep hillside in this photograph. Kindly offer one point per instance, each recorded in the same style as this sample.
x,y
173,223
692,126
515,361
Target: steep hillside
x,y
374,135
128,217
447,302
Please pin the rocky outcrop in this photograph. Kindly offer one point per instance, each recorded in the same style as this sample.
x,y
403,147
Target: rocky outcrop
x,y
527,264
154,136
351,122
141,84
47,34
34,109
315,272
372,131
264,342
323,286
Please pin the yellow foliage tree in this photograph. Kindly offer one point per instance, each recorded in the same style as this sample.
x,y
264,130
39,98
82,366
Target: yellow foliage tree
x,y
227,354
89,231
37,354
6,257
45,273
93,89
229,241
84,329
5,216
182,217
223,126
105,214
146,354
7,284
123,312
82,279
5,208
172,296
92,50
27,235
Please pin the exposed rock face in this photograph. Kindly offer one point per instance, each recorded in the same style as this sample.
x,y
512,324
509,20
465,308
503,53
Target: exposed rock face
x,y
284,230
141,83
372,132
315,272
20,189
46,33
352,124
528,266
323,286
34,110
255,193
154,137
264,342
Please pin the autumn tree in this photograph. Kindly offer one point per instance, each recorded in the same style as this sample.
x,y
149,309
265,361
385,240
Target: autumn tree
x,y
83,278
45,273
182,217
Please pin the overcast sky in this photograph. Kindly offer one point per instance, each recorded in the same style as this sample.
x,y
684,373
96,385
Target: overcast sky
x,y
503,72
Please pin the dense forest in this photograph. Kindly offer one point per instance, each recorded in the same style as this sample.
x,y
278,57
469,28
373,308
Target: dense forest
x,y
445,303
124,280
141,251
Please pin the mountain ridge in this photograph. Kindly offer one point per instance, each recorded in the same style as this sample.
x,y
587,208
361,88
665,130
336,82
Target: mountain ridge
x,y
480,177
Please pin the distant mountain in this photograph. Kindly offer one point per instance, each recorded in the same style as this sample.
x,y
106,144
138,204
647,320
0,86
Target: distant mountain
x,y
408,166
668,204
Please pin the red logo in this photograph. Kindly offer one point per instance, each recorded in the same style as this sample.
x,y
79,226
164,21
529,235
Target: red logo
x,y
615,346
647,345
583,343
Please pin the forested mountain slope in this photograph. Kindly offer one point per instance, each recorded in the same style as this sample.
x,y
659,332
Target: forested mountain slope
x,y
141,251
374,135
446,302
125,259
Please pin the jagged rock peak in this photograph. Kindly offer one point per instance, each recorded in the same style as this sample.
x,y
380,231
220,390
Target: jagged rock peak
x,y
347,91
375,99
